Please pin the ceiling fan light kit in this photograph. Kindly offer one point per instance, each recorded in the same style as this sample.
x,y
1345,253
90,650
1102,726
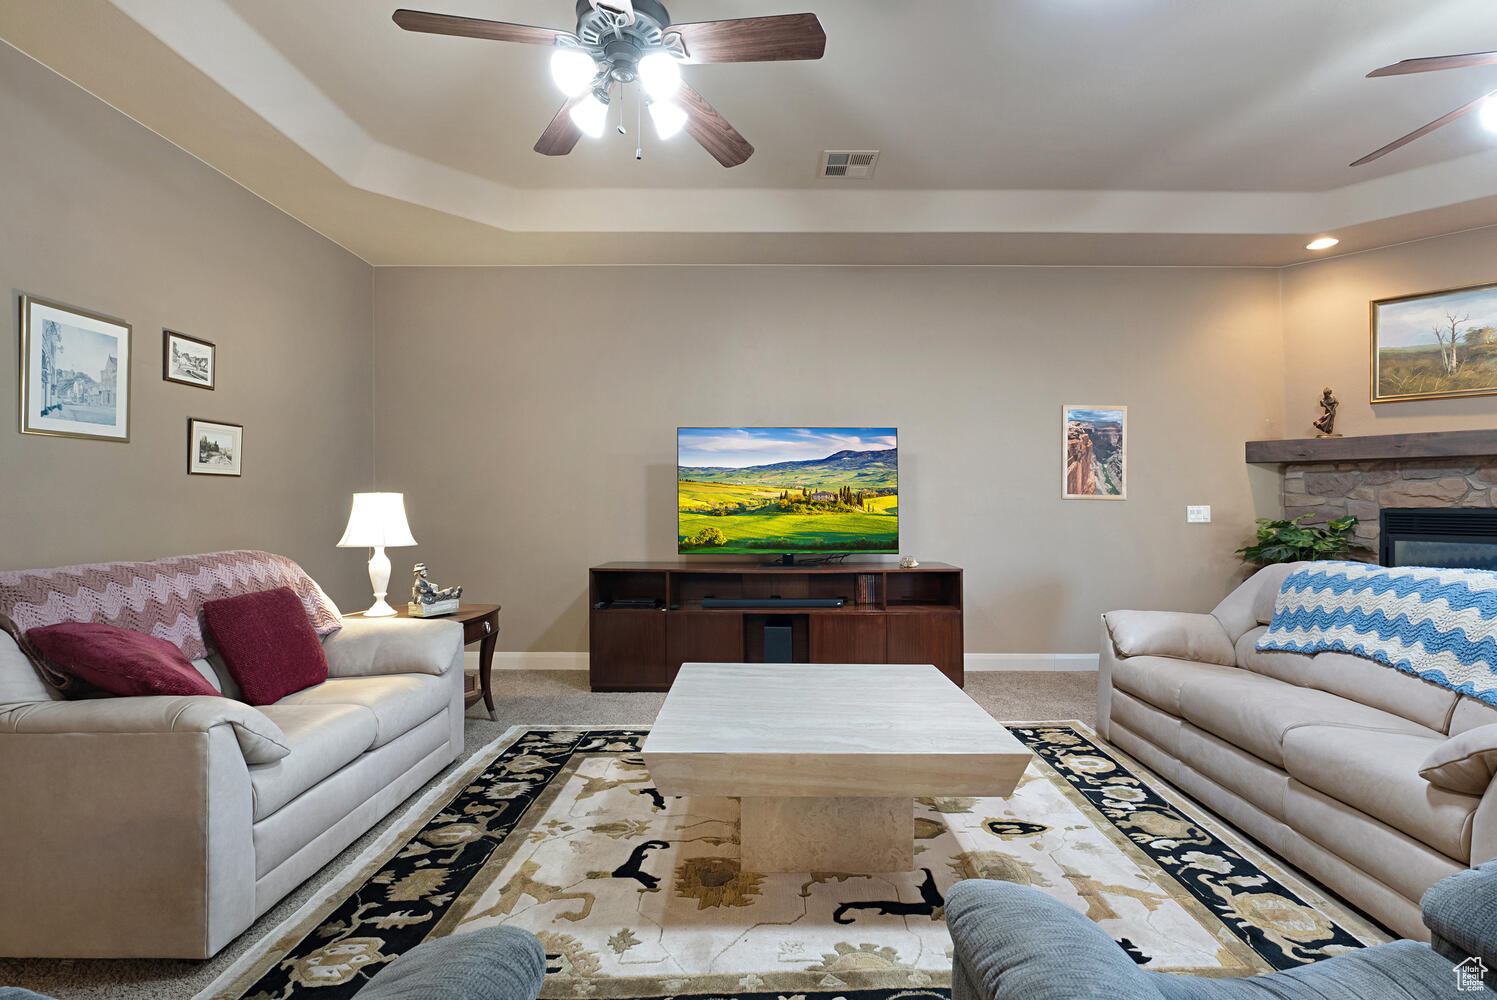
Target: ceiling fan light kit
x,y
623,42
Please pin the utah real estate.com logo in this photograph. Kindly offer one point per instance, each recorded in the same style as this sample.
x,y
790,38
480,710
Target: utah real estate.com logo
x,y
1469,974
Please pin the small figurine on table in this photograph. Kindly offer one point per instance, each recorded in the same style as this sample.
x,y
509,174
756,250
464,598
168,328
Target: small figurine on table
x,y
1325,426
427,600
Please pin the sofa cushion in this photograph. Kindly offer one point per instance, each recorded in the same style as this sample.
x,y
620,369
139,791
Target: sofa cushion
x,y
1254,712
1170,633
323,739
267,642
398,703
1470,713
1158,679
1466,762
1352,677
118,660
1377,773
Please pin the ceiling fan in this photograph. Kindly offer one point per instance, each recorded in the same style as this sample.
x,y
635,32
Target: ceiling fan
x,y
1486,103
627,41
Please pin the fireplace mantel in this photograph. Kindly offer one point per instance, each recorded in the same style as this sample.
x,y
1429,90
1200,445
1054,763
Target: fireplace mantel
x,y
1374,447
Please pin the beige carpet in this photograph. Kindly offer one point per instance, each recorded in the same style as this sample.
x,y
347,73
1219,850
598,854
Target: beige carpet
x,y
522,697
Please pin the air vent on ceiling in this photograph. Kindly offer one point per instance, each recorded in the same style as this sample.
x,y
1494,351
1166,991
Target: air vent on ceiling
x,y
854,164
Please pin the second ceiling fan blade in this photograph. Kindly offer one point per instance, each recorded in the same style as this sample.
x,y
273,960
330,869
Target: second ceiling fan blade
x,y
561,136
1432,63
1418,133
753,39
712,130
475,27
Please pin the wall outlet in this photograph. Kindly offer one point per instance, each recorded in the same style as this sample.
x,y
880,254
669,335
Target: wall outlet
x,y
1198,514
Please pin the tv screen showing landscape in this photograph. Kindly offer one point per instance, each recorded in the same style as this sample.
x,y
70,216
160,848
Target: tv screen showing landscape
x,y
775,490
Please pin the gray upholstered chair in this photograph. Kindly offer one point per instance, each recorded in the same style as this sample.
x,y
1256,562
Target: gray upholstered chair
x,y
1016,943
495,963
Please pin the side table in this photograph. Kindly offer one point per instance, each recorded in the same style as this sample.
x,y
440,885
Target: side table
x,y
481,625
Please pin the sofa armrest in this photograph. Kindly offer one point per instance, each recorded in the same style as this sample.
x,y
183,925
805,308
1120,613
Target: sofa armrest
x,y
1460,916
1177,634
1012,941
367,646
261,740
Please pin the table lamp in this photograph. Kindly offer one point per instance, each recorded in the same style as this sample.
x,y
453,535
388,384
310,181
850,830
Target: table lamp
x,y
377,520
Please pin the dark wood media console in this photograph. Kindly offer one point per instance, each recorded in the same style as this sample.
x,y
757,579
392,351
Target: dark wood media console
x,y
904,616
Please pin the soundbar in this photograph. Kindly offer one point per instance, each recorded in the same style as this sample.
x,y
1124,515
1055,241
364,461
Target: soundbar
x,y
772,602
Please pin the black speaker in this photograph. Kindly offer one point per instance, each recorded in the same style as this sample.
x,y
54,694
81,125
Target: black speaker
x,y
777,644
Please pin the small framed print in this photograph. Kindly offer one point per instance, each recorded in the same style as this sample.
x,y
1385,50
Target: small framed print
x,y
187,360
214,449
1094,456
75,372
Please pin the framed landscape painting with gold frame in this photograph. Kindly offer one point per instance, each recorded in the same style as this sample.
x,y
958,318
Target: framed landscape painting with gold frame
x,y
1435,345
75,372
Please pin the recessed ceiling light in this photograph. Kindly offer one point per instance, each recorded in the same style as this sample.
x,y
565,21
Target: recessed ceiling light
x,y
1323,243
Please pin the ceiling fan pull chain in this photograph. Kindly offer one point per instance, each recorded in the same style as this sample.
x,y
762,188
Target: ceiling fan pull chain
x,y
639,123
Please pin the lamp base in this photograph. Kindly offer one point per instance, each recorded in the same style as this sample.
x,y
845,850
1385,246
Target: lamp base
x,y
379,578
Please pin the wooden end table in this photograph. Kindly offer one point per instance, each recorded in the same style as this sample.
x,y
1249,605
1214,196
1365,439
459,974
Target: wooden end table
x,y
481,625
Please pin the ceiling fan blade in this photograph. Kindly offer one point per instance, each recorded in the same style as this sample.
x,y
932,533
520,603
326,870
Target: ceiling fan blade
x,y
561,136
1464,109
712,130
475,27
1433,63
753,39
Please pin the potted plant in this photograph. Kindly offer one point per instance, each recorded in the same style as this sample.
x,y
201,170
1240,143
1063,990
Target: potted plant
x,y
1290,541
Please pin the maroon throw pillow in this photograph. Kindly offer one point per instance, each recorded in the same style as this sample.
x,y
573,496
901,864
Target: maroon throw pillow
x,y
267,642
117,660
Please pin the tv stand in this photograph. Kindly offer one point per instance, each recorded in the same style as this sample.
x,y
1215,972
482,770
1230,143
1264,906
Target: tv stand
x,y
887,615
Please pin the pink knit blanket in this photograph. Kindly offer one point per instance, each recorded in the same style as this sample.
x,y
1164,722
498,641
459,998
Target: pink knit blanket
x,y
162,597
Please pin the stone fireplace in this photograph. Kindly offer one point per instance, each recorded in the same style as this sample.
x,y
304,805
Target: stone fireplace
x,y
1328,478
1327,490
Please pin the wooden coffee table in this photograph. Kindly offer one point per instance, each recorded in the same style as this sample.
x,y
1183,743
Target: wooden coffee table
x,y
827,758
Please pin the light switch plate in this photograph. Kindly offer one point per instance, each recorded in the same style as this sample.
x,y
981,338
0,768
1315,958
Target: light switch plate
x,y
1198,514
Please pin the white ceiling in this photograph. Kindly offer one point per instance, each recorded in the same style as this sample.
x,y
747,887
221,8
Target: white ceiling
x,y
1000,122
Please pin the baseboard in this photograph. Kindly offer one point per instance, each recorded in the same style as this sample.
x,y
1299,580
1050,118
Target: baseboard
x,y
972,662
1029,661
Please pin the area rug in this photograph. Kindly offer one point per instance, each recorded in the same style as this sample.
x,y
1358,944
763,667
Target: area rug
x,y
638,895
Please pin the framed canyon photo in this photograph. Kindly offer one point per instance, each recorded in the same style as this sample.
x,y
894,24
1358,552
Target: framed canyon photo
x,y
1435,345
1094,452
214,449
75,372
187,360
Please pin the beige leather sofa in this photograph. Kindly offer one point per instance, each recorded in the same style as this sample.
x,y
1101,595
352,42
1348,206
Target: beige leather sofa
x,y
163,826
1316,757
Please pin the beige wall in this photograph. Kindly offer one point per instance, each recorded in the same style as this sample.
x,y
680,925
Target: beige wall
x,y
1327,340
100,213
530,415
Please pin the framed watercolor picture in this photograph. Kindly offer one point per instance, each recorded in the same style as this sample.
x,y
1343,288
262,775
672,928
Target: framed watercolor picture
x,y
1435,345
214,449
187,360
75,372
1094,452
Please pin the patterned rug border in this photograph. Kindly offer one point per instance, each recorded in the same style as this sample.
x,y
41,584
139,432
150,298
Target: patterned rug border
x,y
249,966
1358,924
263,954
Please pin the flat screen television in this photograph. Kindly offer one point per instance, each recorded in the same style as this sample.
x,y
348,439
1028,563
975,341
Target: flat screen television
x,y
787,490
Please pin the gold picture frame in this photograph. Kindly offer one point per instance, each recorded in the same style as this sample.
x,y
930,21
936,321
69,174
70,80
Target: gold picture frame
x,y
1433,345
74,372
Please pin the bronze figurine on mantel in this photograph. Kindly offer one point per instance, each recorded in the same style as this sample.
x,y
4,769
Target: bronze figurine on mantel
x,y
1325,424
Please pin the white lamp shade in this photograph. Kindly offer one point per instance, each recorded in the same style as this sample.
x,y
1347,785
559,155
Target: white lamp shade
x,y
590,115
668,118
377,519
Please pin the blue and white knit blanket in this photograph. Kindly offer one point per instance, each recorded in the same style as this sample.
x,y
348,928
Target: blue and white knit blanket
x,y
1438,624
